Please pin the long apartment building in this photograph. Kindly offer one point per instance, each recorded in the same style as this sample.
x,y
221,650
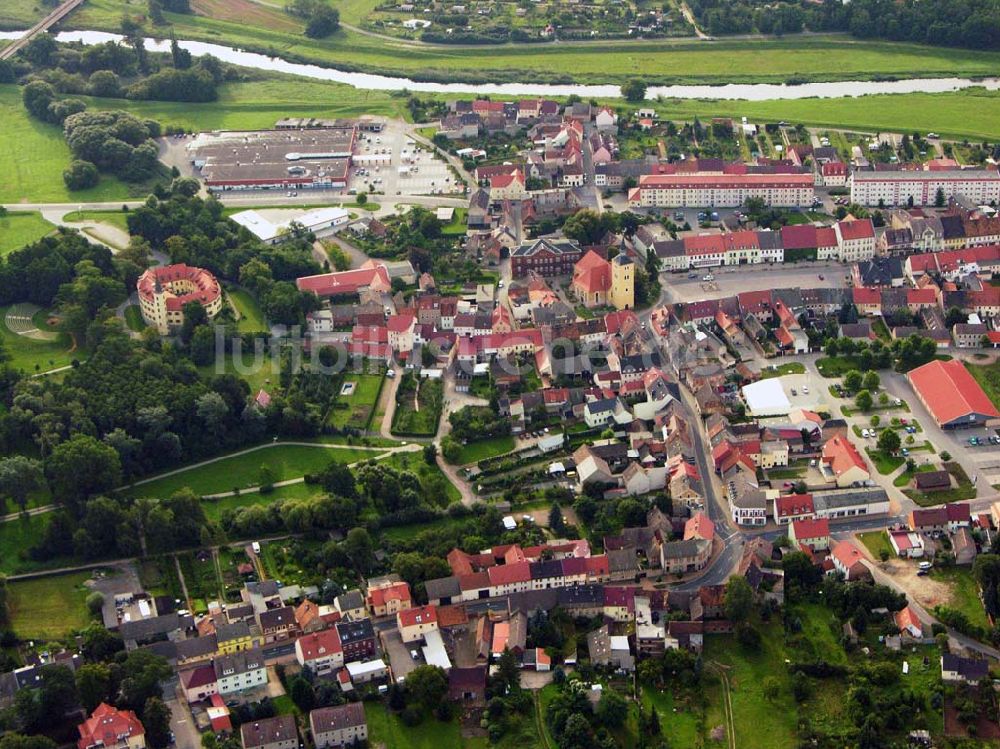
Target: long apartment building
x,y
981,186
702,190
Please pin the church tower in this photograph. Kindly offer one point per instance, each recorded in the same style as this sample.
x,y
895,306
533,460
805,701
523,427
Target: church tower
x,y
622,294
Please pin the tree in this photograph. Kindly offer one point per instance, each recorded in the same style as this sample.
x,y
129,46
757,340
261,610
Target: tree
x,y
323,22
633,90
739,599
93,683
508,671
18,741
612,710
853,381
863,400
156,721
139,676
80,467
302,694
95,602
361,198
945,456
19,477
871,381
888,441
556,523
939,198
426,687
360,549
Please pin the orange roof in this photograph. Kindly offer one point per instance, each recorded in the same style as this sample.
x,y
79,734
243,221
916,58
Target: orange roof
x,y
394,592
846,553
907,618
842,455
501,636
699,526
950,392
452,616
592,273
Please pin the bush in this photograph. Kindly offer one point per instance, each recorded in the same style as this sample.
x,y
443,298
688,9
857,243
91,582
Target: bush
x,y
80,175
95,602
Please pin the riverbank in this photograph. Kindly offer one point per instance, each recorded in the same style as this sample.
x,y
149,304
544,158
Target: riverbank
x,y
805,58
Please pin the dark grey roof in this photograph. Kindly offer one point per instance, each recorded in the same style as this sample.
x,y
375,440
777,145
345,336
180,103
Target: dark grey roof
x,y
259,733
234,631
196,647
680,549
970,668
847,498
545,569
557,247
622,560
880,271
145,629
277,618
443,587
351,632
327,719
352,599
240,662
581,595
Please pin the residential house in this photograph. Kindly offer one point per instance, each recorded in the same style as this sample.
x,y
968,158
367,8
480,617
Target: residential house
x,y
848,561
811,532
841,462
357,639
344,725
110,728
416,622
278,732
320,652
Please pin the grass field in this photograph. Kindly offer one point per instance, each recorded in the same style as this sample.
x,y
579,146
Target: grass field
x,y
482,449
133,318
386,729
285,462
355,410
21,14
760,723
775,60
885,463
876,542
778,370
48,608
18,229
16,537
988,377
34,356
259,372
251,317
676,720
964,593
118,219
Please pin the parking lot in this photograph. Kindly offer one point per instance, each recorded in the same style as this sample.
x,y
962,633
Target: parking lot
x,y
393,163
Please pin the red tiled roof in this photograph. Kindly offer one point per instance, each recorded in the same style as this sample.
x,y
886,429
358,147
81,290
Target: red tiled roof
x,y
106,725
857,229
790,505
508,574
320,644
811,528
842,455
418,615
345,282
865,295
394,592
950,392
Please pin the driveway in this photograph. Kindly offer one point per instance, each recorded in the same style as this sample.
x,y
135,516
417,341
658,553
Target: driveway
x,y
182,724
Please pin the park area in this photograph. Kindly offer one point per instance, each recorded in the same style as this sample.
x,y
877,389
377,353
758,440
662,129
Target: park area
x,y
265,464
19,229
30,338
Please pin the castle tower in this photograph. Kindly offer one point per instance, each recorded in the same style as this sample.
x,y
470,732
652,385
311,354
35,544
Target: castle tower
x,y
622,294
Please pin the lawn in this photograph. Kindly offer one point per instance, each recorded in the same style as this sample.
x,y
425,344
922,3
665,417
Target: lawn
x,y
21,14
432,478
884,463
258,371
876,542
48,608
964,489
677,721
32,355
777,370
836,366
16,537
251,318
355,410
906,477
457,225
386,729
133,318
988,377
20,228
819,639
482,449
118,219
964,593
242,471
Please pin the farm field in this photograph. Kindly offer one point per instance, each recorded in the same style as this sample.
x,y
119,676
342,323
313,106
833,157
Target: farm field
x,y
18,229
774,60
48,608
284,461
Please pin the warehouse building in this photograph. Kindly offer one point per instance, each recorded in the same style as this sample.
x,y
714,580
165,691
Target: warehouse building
x,y
952,395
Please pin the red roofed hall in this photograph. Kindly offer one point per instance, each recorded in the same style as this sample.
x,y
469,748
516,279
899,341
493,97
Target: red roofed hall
x,y
952,395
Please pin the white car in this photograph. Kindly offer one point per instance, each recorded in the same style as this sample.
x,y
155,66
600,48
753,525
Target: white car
x,y
865,433
805,389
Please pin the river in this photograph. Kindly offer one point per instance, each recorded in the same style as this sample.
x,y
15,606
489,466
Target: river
x,y
743,91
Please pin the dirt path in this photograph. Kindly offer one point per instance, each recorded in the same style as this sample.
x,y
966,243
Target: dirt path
x,y
727,703
184,587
